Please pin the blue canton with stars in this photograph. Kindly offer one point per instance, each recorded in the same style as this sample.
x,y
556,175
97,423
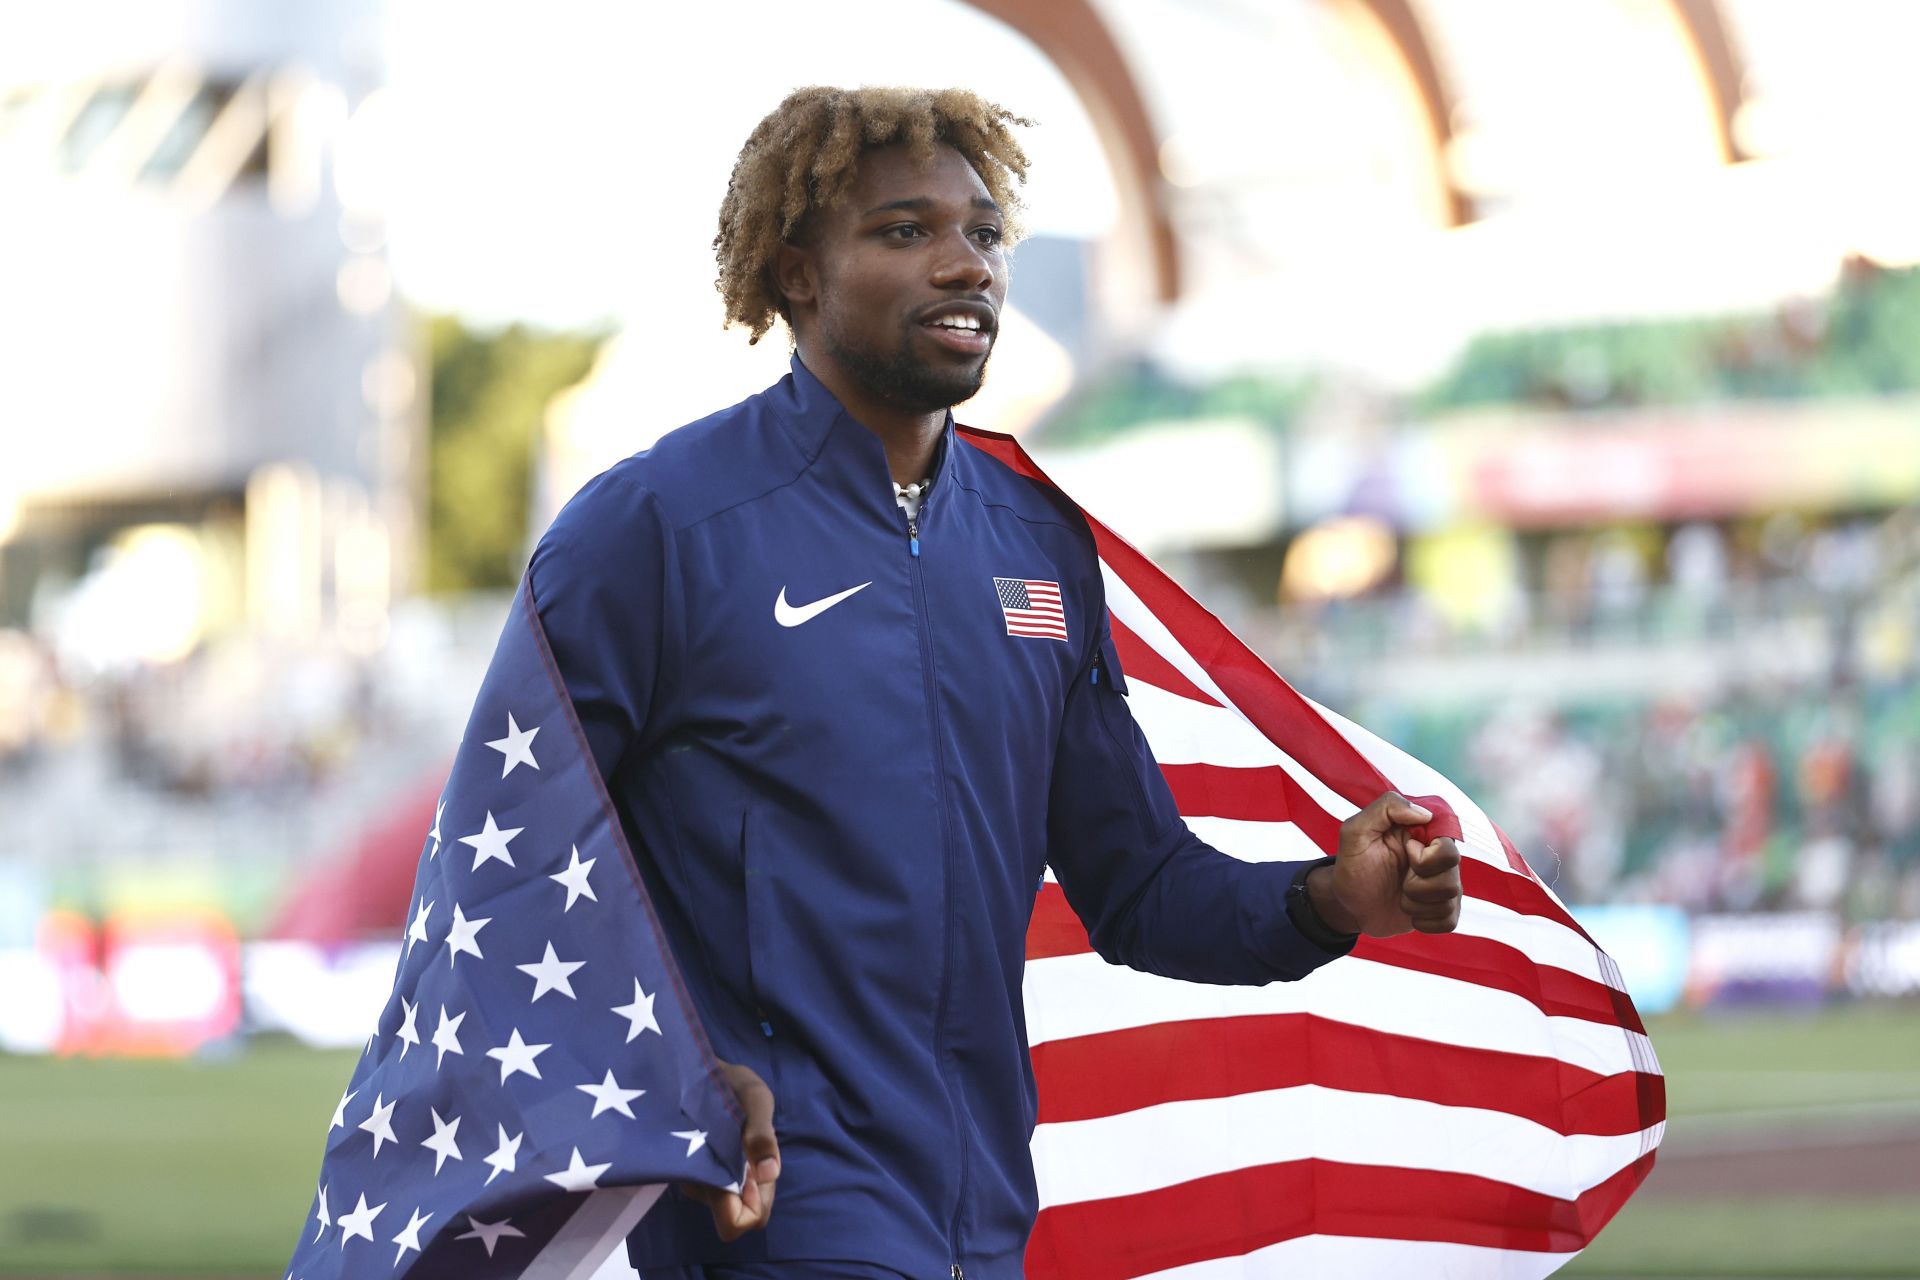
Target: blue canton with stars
x,y
537,1062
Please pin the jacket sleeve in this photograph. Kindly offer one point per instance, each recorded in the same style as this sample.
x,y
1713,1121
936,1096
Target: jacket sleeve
x,y
1152,894
605,583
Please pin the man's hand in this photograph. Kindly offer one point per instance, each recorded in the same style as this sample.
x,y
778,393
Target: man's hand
x,y
1384,881
735,1215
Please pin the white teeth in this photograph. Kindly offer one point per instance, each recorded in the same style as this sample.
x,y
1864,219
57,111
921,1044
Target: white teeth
x,y
958,322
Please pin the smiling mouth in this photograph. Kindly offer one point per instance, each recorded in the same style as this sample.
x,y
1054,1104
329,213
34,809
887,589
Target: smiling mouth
x,y
963,334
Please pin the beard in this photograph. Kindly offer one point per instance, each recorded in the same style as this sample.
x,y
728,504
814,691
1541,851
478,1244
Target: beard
x,y
900,377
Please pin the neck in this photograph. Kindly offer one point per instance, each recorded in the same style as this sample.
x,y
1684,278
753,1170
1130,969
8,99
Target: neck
x,y
911,438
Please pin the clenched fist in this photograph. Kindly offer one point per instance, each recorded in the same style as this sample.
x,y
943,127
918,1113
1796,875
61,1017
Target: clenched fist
x,y
1384,882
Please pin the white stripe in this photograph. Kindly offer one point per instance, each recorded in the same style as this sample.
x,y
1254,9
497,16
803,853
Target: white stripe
x,y
1143,622
1146,624
597,1230
1368,1258
1256,841
1545,942
1175,1142
1182,731
1416,776
1082,995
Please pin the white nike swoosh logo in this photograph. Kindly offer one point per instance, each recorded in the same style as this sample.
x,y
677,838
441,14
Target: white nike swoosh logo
x,y
788,615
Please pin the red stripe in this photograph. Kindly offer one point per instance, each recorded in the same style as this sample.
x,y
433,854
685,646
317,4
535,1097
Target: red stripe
x,y
1517,893
1056,931
1274,706
1141,661
1235,1213
1270,794
1556,992
1113,1072
1265,794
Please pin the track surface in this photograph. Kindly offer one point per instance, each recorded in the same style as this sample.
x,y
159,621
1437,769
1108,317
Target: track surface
x,y
1840,1161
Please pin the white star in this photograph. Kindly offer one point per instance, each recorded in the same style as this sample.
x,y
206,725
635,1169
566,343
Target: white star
x,y
550,973
445,1039
575,878
380,1125
517,1055
439,808
502,1157
696,1138
489,1233
409,1237
609,1096
441,1143
491,842
639,1013
408,1034
461,936
417,931
321,1213
579,1175
516,747
340,1112
359,1222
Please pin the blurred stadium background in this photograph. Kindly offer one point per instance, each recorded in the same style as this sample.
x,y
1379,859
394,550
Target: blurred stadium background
x,y
1537,381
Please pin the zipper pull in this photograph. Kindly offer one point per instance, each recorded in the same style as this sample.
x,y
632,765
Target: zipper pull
x,y
958,1274
913,536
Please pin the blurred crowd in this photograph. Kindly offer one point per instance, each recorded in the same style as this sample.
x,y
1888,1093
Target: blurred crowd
x,y
1777,785
1728,721
241,762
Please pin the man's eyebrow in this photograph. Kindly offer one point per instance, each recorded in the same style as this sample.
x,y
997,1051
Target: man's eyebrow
x,y
917,204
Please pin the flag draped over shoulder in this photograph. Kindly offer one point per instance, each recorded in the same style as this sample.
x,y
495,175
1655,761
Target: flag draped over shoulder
x,y
537,1075
1473,1104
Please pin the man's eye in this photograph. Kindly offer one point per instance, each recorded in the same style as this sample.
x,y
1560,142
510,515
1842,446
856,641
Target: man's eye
x,y
902,231
989,236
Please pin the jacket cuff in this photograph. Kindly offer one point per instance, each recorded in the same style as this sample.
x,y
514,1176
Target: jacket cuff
x,y
1307,921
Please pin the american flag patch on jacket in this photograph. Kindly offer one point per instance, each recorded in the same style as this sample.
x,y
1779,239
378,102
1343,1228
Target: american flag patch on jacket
x,y
1031,607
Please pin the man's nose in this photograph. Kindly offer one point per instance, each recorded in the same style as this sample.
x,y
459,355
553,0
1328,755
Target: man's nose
x,y
963,264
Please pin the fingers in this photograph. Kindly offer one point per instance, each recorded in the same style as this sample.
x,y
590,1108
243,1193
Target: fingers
x,y
1434,860
1389,811
763,1149
1430,891
1404,812
735,1215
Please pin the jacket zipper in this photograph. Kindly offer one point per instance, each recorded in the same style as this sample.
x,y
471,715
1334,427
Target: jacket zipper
x,y
946,848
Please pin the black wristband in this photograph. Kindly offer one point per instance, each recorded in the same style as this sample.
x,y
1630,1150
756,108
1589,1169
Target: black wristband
x,y
1307,920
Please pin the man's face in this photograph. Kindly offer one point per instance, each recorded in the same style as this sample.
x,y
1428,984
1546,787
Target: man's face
x,y
911,278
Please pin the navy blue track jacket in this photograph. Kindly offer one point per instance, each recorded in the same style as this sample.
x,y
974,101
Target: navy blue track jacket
x,y
843,813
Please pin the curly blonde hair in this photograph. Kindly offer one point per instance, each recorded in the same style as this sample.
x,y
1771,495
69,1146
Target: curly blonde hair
x,y
802,156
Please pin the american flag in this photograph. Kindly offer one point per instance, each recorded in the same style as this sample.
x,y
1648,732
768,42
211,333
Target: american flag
x,y
1474,1104
1032,608
537,1075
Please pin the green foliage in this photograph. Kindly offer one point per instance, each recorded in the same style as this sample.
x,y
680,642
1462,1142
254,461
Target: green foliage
x,y
490,393
1140,395
1864,339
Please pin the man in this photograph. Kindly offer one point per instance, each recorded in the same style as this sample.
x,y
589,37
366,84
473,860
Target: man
x,y
851,685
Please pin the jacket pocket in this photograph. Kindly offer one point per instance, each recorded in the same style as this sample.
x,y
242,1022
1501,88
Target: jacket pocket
x,y
760,916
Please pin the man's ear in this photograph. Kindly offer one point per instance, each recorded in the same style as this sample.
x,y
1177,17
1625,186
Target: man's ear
x,y
794,277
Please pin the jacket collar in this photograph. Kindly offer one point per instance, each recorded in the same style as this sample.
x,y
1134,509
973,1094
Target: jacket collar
x,y
843,455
